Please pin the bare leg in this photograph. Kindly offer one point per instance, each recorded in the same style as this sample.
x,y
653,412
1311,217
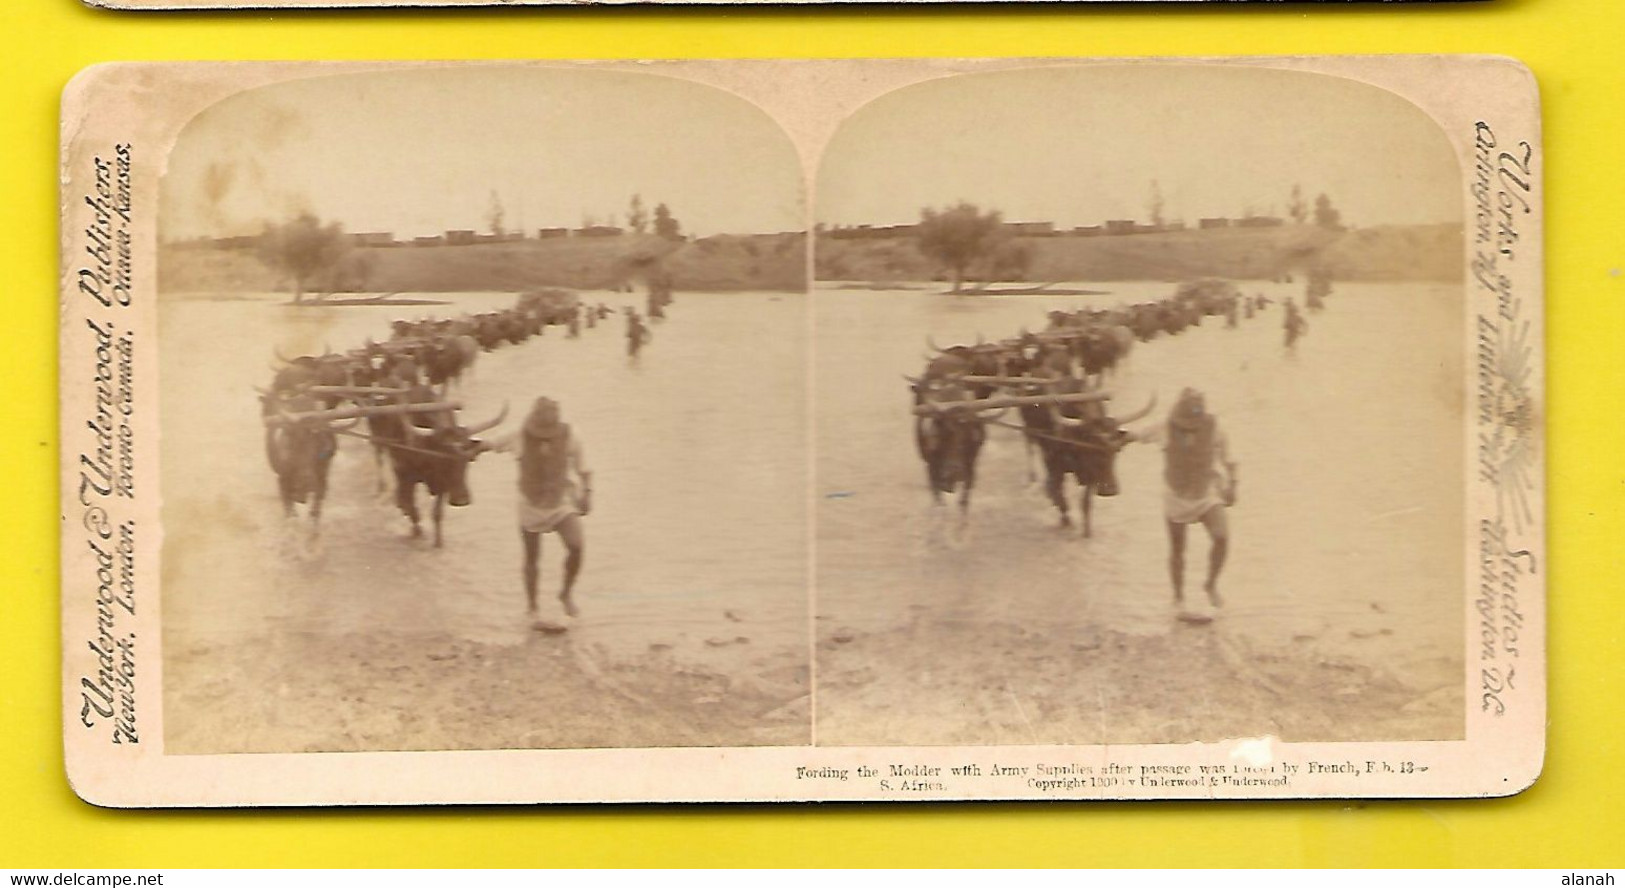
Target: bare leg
x,y
574,537
964,494
533,554
1054,485
407,503
1086,505
1176,559
1218,528
439,510
379,460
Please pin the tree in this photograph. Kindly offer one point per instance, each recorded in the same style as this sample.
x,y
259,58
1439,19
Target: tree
x,y
1010,261
354,272
666,225
959,237
1327,216
637,218
303,248
1296,208
494,215
1154,206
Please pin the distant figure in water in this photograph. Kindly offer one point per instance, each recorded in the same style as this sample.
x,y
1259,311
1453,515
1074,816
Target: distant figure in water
x,y
636,333
555,493
1200,479
1294,325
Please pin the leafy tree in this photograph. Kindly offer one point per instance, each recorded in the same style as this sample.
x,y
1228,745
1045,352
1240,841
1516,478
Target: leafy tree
x,y
354,272
1010,261
1155,205
959,237
303,249
637,218
666,225
1296,207
1326,215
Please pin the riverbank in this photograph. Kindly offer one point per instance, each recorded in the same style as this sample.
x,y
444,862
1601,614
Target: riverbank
x,y
1015,683
310,692
1382,253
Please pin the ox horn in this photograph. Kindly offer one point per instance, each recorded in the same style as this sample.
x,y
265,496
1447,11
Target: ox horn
x,y
484,426
913,380
277,350
1140,414
1062,419
933,345
413,429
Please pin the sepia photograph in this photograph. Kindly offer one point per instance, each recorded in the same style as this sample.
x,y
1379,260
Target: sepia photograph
x,y
802,430
1140,412
454,368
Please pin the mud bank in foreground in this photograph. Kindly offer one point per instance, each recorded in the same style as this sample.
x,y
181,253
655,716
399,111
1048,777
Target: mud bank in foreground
x,y
313,693
1097,686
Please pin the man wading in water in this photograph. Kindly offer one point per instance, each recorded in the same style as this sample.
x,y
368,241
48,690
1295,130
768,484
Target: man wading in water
x,y
555,493
1200,481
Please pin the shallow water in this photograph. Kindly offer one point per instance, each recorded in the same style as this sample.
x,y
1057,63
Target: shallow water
x,y
1346,536
699,451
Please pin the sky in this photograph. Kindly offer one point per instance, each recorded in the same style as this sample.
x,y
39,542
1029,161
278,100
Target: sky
x,y
1080,145
421,151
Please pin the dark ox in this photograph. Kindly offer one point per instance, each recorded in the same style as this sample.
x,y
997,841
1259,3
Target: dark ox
x,y
295,374
300,452
1080,441
446,358
436,457
1011,357
949,441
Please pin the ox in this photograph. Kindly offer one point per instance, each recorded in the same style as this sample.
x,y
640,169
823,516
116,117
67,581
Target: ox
x,y
436,456
1083,442
446,358
948,440
326,368
1006,358
300,452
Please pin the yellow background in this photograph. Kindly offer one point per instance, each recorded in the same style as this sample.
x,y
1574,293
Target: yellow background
x,y
1572,818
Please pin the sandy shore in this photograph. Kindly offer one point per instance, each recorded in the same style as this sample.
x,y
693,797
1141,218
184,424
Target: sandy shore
x,y
1021,684
305,692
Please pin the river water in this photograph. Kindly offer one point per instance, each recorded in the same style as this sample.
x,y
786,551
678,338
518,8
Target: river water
x,y
704,540
1348,531
697,542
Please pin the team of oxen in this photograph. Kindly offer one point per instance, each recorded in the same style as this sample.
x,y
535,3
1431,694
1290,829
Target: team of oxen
x,y
1056,381
400,389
